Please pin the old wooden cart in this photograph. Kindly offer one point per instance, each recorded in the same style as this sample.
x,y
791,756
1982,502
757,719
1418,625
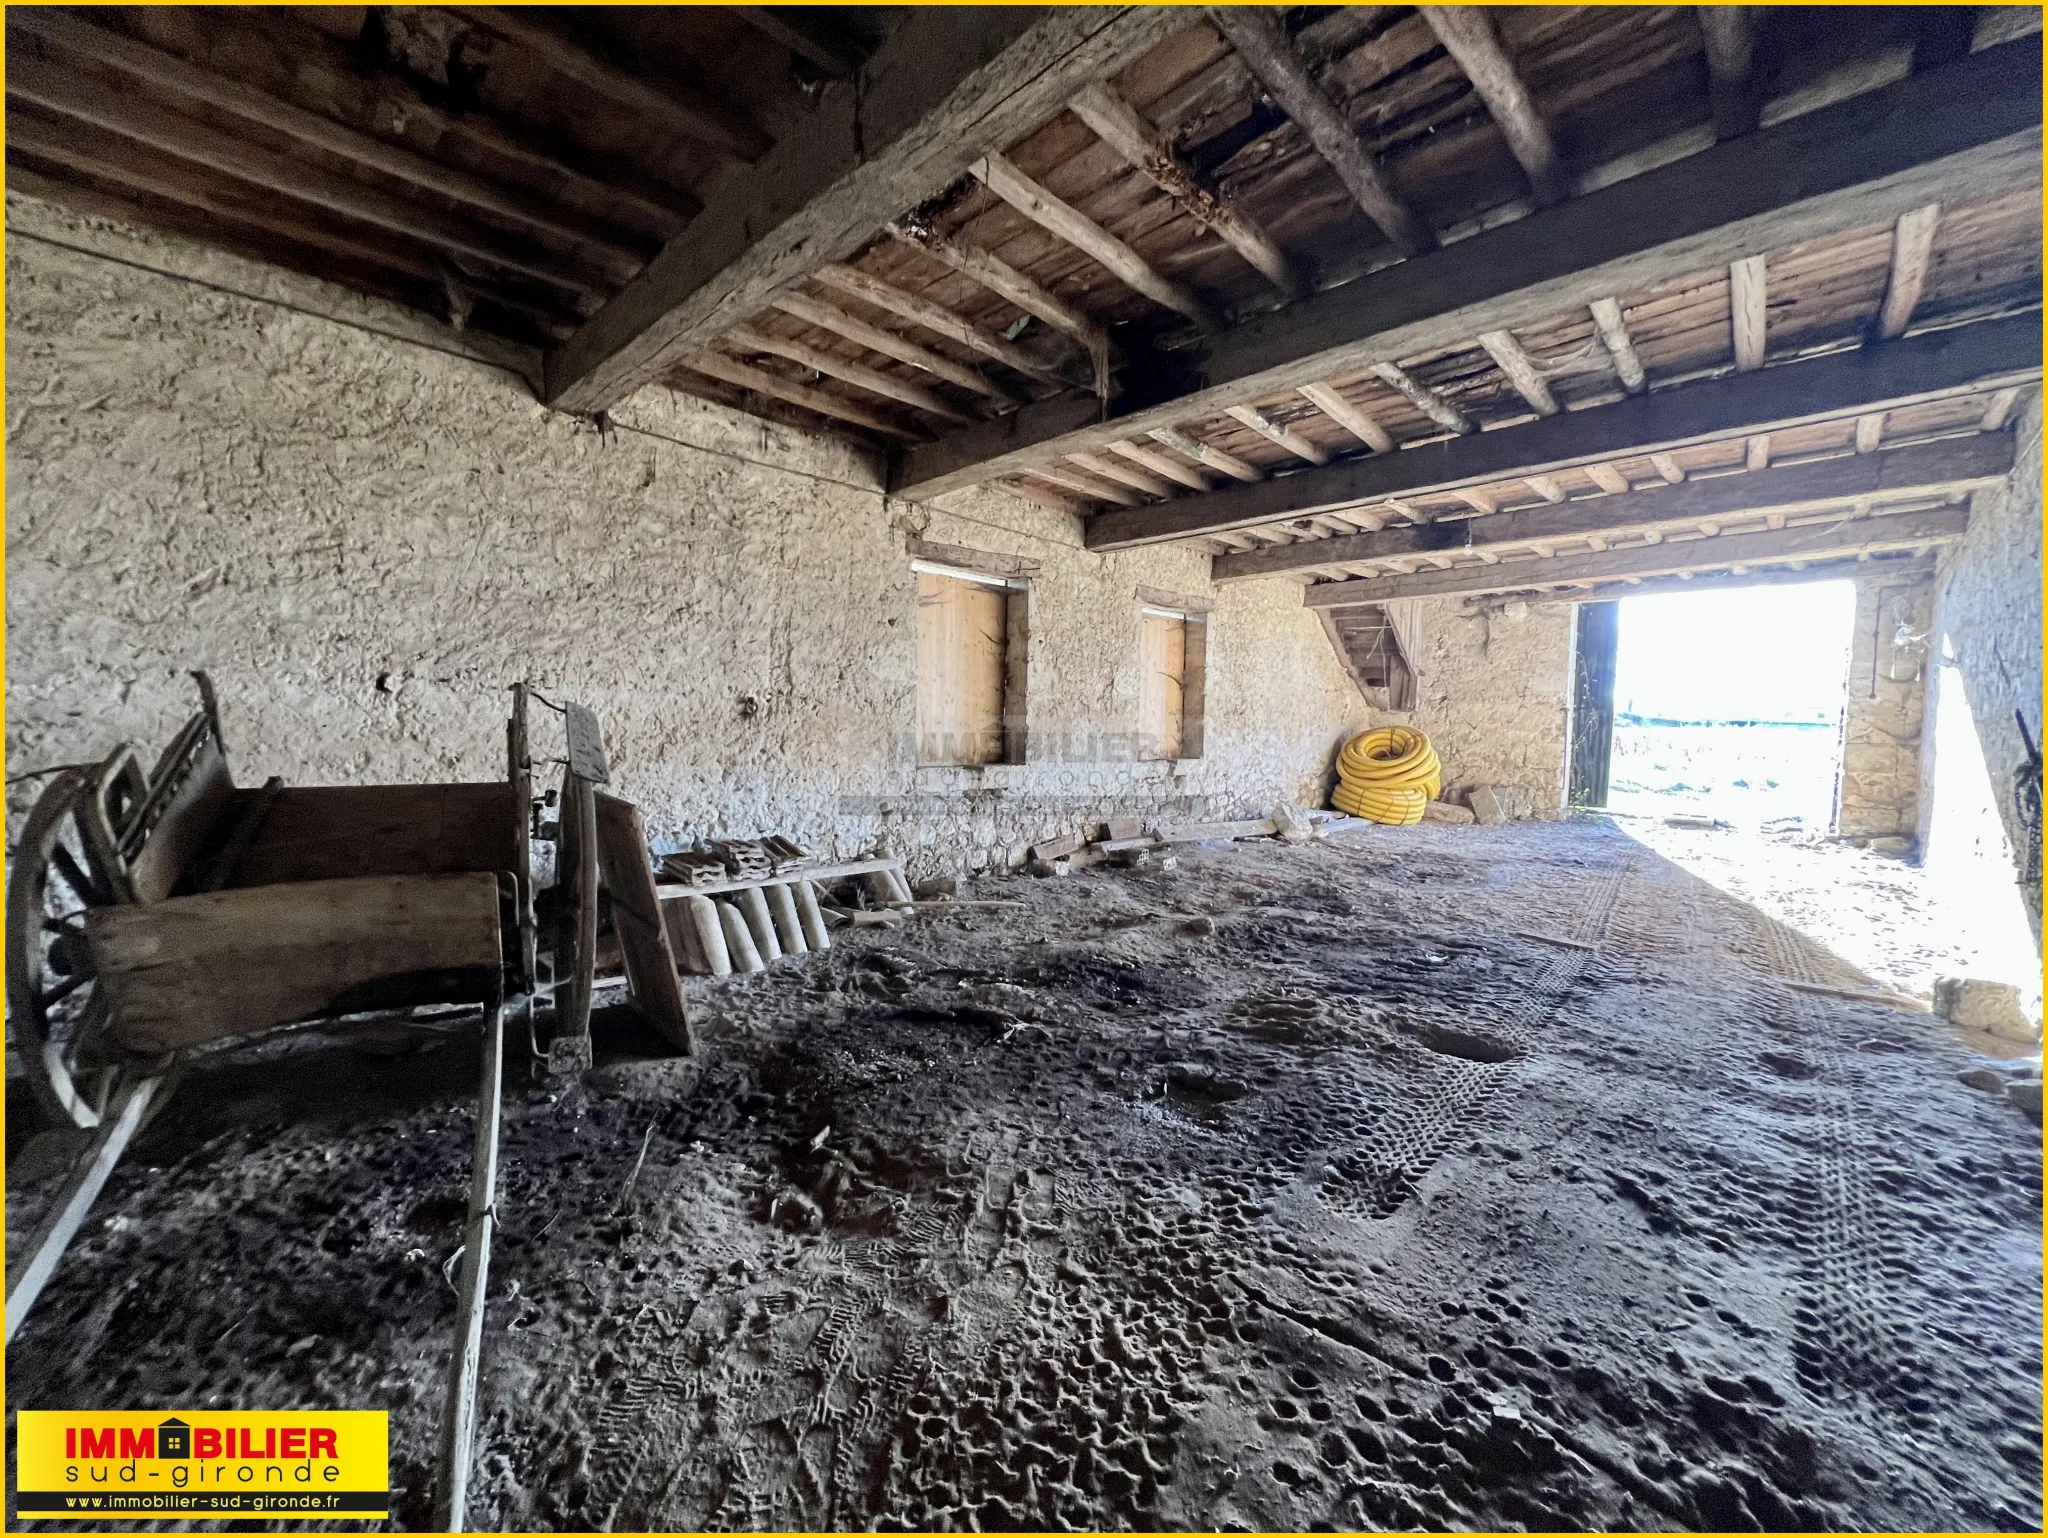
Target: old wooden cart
x,y
152,914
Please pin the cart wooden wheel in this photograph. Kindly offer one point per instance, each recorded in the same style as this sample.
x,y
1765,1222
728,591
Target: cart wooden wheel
x,y
53,1001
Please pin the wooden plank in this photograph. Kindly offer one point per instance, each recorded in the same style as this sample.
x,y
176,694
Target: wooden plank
x,y
677,104
1748,316
332,832
458,1412
951,84
1352,418
74,1199
998,276
936,317
1962,133
1912,253
1930,366
1050,212
830,317
254,106
1286,437
1944,465
858,374
732,371
651,979
1469,36
1510,358
1613,329
1124,129
1255,33
190,970
135,117
961,652
1809,542
1162,669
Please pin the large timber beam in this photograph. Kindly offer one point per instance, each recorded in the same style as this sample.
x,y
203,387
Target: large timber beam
x,y
954,83
1945,465
1986,356
1807,542
1969,131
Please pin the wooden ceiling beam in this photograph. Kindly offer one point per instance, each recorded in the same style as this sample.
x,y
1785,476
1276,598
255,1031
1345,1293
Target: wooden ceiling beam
x,y
1805,542
1936,468
1748,311
872,380
1912,252
1354,419
1124,129
678,105
936,318
157,68
999,277
1729,34
732,371
1966,132
134,117
1254,32
1208,454
806,42
1523,372
1285,437
1613,329
1424,399
950,85
1470,37
1932,365
1060,218
829,317
1736,575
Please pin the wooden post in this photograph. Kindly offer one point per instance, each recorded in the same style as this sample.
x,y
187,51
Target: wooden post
x,y
813,920
458,1419
67,1214
788,928
745,958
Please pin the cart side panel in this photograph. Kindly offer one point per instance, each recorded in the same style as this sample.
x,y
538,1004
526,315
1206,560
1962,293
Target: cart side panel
x,y
651,979
334,832
202,968
190,827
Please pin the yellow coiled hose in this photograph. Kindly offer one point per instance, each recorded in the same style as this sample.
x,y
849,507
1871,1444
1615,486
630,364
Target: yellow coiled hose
x,y
1387,774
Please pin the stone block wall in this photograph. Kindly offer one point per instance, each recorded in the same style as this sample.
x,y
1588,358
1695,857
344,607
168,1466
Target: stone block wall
x,y
1878,791
365,540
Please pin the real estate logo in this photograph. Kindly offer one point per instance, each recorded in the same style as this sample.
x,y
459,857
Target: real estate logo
x,y
98,1464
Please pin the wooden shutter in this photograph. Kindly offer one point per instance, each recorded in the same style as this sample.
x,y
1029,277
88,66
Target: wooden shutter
x,y
1161,693
962,640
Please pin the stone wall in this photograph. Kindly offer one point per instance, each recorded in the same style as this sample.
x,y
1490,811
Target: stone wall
x,y
366,541
1986,648
1878,792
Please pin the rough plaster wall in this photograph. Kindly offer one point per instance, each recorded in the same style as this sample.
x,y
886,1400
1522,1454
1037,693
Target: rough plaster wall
x,y
1986,642
1879,789
365,542
1493,697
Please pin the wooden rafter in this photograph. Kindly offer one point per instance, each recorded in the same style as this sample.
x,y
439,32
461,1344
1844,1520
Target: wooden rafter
x,y
1967,132
806,42
686,107
1931,365
829,317
134,117
1352,418
748,339
1613,328
1802,542
1607,478
1728,31
746,376
937,318
1523,372
1748,314
1285,437
1912,250
998,276
1111,468
1208,454
1052,213
1256,35
1424,399
1869,432
1926,469
1124,129
243,101
951,84
1089,486
1469,36
1162,464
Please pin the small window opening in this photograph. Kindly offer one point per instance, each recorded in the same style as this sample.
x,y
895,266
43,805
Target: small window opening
x,y
971,644
1173,667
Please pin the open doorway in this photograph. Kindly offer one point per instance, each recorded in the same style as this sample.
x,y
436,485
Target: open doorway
x,y
1725,704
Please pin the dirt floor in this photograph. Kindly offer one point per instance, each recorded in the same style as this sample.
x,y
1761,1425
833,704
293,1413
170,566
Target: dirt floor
x,y
1444,1177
